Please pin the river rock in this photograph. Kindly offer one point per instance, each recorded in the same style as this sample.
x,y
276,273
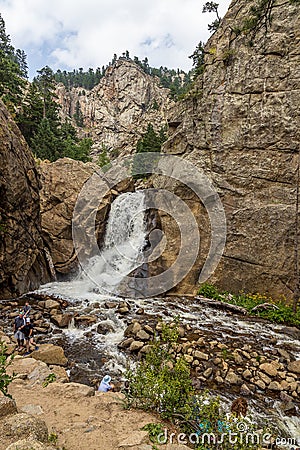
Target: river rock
x,y
50,354
52,304
136,346
132,329
201,355
85,320
61,320
7,406
294,366
233,378
269,369
104,328
275,386
126,343
23,425
142,335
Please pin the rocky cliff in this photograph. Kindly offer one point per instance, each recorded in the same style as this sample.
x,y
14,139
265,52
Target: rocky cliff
x,y
23,264
117,111
240,125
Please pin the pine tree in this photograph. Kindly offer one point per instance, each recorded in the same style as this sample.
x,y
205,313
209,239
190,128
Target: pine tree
x,y
12,82
44,143
78,116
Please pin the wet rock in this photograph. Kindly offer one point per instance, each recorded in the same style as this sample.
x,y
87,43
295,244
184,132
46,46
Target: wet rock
x,y
85,320
148,329
219,379
104,328
7,406
247,374
132,329
284,354
52,304
140,311
110,305
126,343
264,378
50,354
294,366
23,425
123,310
61,320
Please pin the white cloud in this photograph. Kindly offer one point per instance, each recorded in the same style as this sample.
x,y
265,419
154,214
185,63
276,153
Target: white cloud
x,y
69,34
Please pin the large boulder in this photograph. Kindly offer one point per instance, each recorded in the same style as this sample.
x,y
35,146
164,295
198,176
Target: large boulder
x,y
23,425
50,354
23,262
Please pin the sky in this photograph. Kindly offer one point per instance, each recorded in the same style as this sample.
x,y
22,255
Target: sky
x,y
68,34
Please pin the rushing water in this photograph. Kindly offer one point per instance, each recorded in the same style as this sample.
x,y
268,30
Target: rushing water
x,y
96,353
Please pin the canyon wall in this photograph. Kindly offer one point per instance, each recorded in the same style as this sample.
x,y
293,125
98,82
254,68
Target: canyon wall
x,y
240,125
23,260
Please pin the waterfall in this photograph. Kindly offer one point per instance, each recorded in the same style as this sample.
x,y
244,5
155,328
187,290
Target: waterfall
x,y
123,245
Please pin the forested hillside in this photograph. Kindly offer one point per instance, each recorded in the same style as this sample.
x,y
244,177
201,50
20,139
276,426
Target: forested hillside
x,y
177,81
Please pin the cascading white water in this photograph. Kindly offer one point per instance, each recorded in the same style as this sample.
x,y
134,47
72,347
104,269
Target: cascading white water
x,y
123,245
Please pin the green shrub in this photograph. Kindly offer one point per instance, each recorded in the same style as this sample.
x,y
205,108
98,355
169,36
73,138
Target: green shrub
x,y
281,312
49,379
5,379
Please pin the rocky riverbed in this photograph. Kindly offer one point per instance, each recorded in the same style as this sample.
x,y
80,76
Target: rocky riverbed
x,y
229,354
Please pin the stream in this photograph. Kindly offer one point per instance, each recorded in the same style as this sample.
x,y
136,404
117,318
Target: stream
x,y
93,348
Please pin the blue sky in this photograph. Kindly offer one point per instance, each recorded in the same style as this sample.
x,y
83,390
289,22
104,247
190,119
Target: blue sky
x,y
68,34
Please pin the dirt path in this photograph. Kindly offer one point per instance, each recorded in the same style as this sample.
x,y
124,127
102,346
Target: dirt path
x,y
99,422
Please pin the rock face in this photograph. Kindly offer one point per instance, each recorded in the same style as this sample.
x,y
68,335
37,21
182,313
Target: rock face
x,y
117,111
23,265
240,125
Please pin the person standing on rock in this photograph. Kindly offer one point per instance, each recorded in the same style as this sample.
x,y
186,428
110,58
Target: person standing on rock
x,y
19,324
26,309
28,333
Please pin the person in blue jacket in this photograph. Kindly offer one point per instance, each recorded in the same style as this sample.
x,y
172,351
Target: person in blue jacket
x,y
106,384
